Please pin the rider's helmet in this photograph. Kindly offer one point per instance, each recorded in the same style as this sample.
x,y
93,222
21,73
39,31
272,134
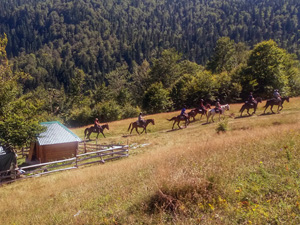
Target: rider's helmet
x,y
96,119
141,113
201,100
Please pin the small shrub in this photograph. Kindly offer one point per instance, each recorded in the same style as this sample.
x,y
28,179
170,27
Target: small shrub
x,y
222,126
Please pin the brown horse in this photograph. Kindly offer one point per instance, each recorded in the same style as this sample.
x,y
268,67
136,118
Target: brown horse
x,y
93,129
252,105
273,101
194,112
142,124
179,118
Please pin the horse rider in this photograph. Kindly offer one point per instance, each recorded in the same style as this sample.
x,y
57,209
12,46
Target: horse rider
x,y
96,123
183,111
250,98
276,95
202,107
140,120
218,106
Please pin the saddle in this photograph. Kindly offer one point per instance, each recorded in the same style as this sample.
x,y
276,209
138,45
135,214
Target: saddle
x,y
140,123
217,110
182,117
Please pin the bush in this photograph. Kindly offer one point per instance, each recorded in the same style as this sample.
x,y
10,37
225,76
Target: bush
x,y
222,126
79,116
107,111
156,99
129,111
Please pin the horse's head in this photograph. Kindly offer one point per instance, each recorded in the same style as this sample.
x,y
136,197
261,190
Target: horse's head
x,y
208,106
106,126
259,99
287,99
227,107
152,121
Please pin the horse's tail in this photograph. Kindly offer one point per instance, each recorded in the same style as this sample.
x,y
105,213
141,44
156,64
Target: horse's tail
x,y
242,109
173,118
129,126
86,129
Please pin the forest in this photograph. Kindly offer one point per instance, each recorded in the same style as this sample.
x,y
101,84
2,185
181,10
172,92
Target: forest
x,y
76,60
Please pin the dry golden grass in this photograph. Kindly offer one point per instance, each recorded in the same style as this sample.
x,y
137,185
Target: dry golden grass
x,y
185,176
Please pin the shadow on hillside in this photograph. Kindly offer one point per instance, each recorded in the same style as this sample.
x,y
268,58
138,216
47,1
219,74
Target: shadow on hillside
x,y
240,117
268,114
129,135
176,129
206,123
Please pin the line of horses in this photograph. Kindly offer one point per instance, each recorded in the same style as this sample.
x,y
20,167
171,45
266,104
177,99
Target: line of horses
x,y
207,111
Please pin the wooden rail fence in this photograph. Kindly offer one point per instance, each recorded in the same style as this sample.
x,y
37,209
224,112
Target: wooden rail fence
x,y
87,154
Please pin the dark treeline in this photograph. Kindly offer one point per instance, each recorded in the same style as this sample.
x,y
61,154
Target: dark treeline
x,y
112,58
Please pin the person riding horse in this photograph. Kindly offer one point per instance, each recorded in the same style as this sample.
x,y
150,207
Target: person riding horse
x,y
183,113
251,99
202,107
218,106
96,123
277,96
140,120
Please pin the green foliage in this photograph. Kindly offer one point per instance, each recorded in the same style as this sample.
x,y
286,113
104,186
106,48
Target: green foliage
x,y
166,69
129,111
80,116
107,111
222,126
19,124
224,57
268,65
156,99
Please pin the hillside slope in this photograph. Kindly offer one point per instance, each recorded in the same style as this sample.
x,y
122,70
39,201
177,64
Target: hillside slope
x,y
250,174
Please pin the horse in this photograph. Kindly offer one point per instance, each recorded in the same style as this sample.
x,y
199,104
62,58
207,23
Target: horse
x,y
179,118
273,101
93,129
212,112
251,105
201,110
142,124
193,113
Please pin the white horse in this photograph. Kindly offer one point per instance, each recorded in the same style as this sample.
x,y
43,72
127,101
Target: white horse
x,y
212,112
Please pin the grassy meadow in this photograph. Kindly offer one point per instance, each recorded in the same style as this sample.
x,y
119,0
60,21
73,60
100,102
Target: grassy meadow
x,y
246,175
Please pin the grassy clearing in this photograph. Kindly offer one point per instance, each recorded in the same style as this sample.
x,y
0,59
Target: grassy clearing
x,y
248,174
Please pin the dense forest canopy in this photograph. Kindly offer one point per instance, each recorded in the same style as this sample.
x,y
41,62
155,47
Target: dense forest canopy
x,y
52,37
113,57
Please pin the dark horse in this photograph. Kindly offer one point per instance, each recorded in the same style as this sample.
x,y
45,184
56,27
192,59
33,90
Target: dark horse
x,y
273,101
93,129
141,124
179,118
203,111
251,105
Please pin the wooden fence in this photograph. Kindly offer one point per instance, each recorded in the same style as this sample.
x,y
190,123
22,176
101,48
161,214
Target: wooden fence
x,y
87,154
